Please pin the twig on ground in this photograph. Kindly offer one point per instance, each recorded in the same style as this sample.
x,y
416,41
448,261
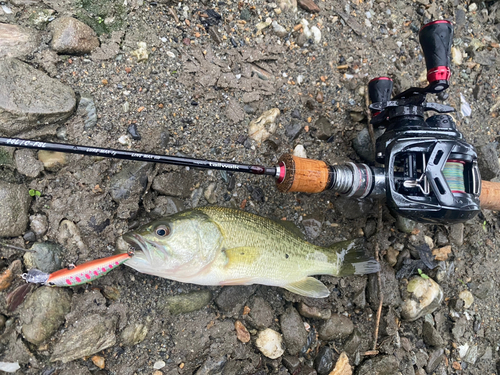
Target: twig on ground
x,y
379,230
369,117
379,280
172,12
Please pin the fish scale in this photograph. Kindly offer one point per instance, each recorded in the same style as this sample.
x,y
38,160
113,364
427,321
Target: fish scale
x,y
284,250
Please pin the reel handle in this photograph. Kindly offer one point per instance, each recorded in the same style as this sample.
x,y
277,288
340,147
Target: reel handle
x,y
379,90
435,39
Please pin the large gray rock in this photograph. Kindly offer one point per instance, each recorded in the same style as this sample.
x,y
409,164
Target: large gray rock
x,y
134,333
175,183
30,98
232,299
487,160
187,302
261,314
16,41
293,330
337,327
131,181
14,204
380,365
87,336
45,256
70,36
43,313
27,164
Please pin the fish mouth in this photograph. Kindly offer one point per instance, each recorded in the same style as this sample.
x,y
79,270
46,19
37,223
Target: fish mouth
x,y
137,243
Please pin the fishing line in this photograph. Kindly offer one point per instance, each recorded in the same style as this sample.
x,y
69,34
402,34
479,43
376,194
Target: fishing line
x,y
453,172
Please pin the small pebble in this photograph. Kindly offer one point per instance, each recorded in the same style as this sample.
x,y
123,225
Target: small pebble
x,y
125,140
141,53
300,152
319,97
467,297
241,332
99,361
132,130
51,159
270,343
278,29
262,128
424,296
159,364
342,367
6,279
324,360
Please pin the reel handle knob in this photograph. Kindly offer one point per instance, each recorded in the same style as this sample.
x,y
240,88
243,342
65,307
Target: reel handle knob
x,y
435,39
379,90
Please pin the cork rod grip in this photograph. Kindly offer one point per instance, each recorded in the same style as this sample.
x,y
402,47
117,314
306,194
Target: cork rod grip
x,y
490,195
303,175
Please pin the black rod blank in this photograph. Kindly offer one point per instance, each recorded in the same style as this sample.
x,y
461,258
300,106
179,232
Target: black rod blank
x,y
138,156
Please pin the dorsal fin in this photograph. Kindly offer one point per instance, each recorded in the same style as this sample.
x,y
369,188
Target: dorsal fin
x,y
291,228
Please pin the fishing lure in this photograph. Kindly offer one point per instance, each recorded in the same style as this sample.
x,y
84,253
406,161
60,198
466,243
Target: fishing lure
x,y
77,275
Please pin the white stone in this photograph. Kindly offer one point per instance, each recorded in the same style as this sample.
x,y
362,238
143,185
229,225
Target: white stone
x,y
159,364
316,33
142,52
467,297
300,152
9,366
262,128
125,140
429,242
456,56
270,343
278,29
424,296
464,106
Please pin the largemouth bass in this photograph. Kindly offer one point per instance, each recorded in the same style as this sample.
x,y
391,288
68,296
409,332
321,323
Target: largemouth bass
x,y
222,246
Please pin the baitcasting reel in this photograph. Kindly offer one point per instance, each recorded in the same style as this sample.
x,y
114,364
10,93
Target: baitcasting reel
x,y
430,172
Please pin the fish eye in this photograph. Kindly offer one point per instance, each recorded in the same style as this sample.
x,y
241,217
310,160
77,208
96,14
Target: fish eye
x,y
162,231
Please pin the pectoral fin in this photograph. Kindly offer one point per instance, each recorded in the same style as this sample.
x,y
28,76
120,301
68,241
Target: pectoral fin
x,y
308,287
241,256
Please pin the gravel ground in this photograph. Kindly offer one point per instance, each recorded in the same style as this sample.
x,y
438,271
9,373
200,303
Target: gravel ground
x,y
207,70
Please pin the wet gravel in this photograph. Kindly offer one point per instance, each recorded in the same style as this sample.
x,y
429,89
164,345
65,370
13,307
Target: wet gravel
x,y
207,70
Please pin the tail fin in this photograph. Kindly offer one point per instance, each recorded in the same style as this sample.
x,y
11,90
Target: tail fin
x,y
352,258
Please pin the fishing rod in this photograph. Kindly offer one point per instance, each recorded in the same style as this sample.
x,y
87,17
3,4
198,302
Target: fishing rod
x,y
429,174
137,156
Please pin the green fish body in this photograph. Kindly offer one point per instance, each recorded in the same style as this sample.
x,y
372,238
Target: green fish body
x,y
222,246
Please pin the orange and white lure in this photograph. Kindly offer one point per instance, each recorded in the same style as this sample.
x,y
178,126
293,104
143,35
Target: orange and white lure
x,y
76,275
